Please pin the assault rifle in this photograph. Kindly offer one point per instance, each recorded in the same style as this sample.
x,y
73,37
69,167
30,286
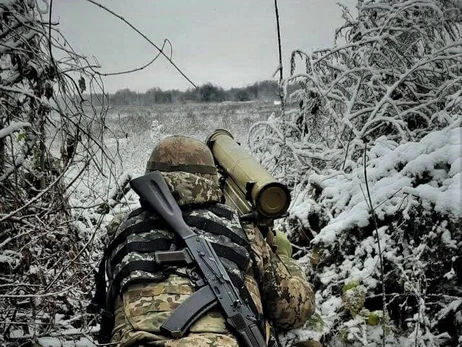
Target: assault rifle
x,y
218,288
247,186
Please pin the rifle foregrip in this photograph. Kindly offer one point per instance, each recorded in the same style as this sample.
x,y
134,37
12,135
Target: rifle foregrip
x,y
250,333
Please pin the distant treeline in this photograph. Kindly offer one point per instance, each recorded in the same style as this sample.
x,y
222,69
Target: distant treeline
x,y
264,91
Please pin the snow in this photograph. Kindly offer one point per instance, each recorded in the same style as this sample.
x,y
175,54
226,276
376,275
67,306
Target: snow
x,y
364,274
302,205
60,342
10,257
393,173
330,306
405,180
16,333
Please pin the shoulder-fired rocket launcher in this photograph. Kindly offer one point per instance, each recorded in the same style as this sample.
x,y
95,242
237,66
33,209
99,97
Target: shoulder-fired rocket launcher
x,y
247,186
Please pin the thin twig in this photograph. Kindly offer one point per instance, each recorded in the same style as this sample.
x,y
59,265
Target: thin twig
x,y
4,217
135,69
145,37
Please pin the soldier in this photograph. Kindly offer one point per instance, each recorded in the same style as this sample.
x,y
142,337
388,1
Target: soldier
x,y
143,294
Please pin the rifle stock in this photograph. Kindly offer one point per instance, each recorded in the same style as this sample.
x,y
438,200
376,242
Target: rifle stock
x,y
247,186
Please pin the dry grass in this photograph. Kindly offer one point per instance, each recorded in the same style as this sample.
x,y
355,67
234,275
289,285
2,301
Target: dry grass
x,y
196,120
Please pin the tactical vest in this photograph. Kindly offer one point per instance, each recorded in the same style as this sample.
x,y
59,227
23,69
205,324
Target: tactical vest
x,y
131,255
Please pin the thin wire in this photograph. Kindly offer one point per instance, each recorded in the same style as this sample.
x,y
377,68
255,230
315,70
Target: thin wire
x,y
281,75
374,218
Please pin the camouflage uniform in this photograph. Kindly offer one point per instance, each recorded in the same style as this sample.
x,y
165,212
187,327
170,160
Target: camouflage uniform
x,y
277,285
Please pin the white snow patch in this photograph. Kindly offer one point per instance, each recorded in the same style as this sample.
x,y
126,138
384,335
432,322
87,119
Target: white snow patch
x,y
428,172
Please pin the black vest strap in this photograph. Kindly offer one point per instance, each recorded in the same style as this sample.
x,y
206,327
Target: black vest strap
x,y
138,228
221,211
99,299
214,228
237,280
147,246
136,212
137,265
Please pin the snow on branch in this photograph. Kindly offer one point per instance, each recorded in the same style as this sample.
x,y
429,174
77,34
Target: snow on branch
x,y
391,83
396,70
13,127
427,172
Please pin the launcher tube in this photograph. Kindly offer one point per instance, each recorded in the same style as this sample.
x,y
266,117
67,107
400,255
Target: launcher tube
x,y
269,197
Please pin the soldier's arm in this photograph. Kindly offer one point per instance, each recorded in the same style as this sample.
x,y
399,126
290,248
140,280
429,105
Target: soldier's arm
x,y
287,296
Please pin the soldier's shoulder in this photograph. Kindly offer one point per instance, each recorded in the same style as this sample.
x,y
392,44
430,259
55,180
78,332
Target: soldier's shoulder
x,y
122,221
225,211
114,224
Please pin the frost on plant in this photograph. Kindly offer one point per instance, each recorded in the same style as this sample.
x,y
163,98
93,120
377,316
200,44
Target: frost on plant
x,y
395,70
384,103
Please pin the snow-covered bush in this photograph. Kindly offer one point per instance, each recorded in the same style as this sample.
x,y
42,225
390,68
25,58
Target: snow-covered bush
x,y
395,69
415,190
372,153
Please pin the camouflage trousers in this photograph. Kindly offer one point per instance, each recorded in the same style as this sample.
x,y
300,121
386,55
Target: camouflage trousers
x,y
192,340
143,307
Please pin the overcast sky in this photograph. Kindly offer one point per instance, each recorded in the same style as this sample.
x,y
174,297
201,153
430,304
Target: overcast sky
x,y
229,43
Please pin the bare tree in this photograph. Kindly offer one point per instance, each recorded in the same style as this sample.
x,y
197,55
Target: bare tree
x,y
49,124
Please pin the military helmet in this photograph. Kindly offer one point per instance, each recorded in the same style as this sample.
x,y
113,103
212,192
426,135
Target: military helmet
x,y
182,153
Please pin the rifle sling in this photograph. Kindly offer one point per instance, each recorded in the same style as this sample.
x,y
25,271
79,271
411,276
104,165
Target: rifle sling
x,y
215,228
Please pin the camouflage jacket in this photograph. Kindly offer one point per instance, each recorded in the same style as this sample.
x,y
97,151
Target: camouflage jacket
x,y
278,286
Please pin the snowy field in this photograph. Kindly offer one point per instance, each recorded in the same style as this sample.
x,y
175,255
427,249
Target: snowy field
x,y
135,130
132,133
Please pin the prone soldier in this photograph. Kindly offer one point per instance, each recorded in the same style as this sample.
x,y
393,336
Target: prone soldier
x,y
146,295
